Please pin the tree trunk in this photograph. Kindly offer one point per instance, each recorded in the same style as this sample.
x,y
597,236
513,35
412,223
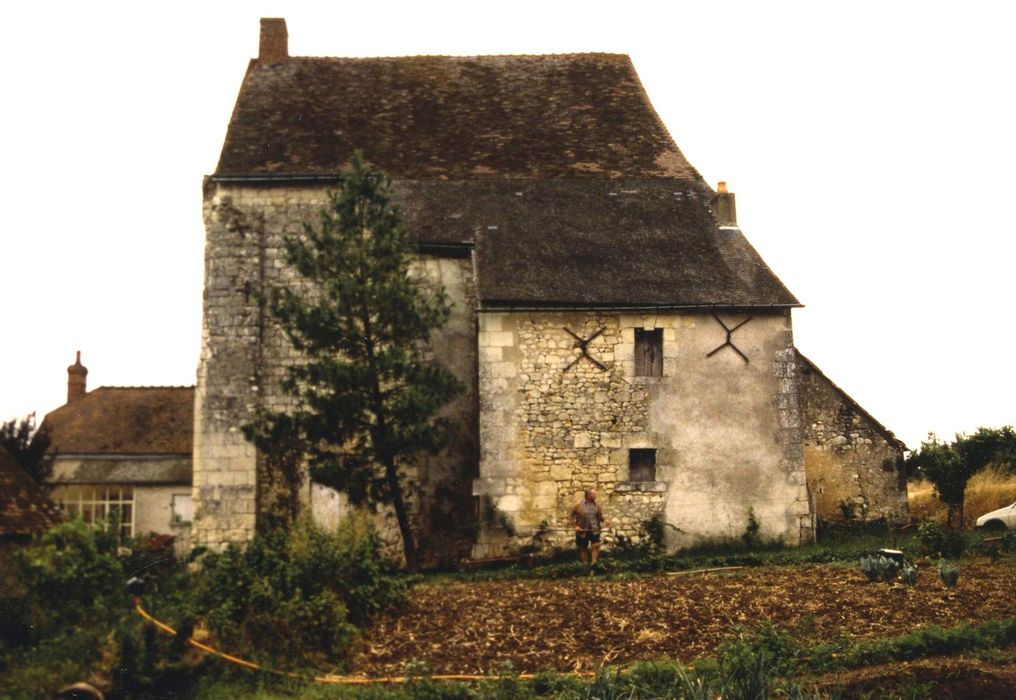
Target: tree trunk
x,y
402,515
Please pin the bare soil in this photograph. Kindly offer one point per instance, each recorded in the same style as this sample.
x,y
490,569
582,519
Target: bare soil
x,y
944,679
580,624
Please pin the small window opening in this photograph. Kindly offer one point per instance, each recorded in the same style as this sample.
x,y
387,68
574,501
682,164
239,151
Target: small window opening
x,y
649,352
642,465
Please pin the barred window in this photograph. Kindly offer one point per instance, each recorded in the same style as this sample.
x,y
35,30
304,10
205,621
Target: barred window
x,y
98,502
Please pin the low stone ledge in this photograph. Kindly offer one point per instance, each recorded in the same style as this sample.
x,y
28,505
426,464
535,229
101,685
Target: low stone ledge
x,y
640,486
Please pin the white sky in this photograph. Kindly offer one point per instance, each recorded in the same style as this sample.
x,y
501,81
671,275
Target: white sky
x,y
871,146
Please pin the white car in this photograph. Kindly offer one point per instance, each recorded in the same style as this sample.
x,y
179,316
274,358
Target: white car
x,y
1000,519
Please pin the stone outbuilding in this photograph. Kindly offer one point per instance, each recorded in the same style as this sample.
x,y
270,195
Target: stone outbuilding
x,y
124,451
613,325
854,463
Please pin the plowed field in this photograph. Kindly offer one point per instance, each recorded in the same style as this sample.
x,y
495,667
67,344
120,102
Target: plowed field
x,y
579,624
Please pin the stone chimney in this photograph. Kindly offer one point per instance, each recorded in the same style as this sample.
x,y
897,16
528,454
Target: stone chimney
x,y
274,41
724,209
76,375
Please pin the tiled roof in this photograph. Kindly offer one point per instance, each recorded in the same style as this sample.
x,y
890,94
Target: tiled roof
x,y
122,470
24,507
593,242
555,167
125,420
570,115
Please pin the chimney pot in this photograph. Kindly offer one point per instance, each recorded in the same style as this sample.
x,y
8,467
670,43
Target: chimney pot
x,y
724,206
274,46
77,375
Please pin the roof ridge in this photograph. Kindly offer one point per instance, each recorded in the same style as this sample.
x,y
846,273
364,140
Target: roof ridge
x,y
566,54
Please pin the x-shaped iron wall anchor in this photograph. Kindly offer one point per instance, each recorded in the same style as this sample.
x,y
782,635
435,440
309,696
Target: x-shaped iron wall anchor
x,y
583,345
730,332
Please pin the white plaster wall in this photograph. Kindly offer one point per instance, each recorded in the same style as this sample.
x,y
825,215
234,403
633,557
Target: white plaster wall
x,y
153,510
726,431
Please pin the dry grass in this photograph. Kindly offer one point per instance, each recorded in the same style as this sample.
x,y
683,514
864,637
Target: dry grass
x,y
986,491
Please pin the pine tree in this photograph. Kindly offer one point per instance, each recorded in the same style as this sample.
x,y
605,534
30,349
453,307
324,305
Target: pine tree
x,y
366,393
27,444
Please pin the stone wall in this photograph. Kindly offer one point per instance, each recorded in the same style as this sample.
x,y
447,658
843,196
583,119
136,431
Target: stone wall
x,y
553,423
854,464
244,355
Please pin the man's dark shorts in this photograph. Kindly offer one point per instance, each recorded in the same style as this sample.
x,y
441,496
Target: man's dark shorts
x,y
584,539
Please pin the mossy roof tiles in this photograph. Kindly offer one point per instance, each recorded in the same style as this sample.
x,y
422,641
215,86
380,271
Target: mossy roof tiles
x,y
572,115
124,421
556,167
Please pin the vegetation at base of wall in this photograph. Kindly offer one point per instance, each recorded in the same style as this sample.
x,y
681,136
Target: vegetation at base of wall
x,y
840,545
293,597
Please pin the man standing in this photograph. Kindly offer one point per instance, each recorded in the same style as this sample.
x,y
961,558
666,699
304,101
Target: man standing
x,y
588,518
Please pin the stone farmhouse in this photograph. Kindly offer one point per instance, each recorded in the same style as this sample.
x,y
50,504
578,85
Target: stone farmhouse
x,y
614,326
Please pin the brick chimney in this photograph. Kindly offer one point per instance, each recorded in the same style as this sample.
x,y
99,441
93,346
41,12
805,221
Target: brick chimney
x,y
274,41
76,375
724,209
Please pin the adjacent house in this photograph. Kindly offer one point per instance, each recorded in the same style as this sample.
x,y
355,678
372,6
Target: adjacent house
x,y
615,328
124,452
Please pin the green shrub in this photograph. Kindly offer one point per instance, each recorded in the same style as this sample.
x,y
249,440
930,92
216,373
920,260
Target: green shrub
x,y
72,573
750,537
751,661
935,540
298,596
73,614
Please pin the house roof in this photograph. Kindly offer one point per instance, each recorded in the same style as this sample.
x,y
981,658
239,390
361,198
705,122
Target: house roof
x,y
24,507
151,470
124,421
570,115
556,167
593,242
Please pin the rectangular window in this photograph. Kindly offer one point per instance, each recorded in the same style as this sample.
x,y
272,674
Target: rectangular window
x,y
98,502
183,508
641,465
649,352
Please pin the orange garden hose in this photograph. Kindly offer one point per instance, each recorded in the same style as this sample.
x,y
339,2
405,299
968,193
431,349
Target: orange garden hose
x,y
343,680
